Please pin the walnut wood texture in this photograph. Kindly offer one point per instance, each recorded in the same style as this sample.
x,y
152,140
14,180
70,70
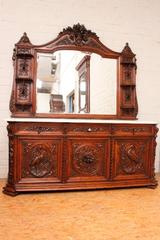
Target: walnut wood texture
x,y
69,156
23,97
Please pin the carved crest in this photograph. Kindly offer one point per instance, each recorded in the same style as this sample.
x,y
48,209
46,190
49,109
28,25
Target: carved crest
x,y
78,34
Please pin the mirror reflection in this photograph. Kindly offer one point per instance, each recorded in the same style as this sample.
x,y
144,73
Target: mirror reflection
x,y
76,82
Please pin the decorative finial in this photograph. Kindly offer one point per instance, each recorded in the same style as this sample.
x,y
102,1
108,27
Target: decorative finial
x,y
24,39
127,50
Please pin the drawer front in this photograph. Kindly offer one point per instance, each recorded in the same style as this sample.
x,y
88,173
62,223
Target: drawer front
x,y
132,130
88,129
39,128
145,130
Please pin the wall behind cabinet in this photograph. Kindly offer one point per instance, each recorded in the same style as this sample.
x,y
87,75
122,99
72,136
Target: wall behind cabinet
x,y
115,22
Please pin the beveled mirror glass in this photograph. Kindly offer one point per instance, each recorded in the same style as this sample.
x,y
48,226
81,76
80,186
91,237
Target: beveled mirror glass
x,y
76,82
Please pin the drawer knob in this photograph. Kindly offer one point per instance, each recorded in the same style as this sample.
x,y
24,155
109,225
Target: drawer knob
x,y
89,130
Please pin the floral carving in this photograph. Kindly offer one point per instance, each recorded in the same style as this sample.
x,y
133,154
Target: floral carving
x,y
78,34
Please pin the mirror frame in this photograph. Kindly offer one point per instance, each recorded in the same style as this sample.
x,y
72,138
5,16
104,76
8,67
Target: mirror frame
x,y
23,97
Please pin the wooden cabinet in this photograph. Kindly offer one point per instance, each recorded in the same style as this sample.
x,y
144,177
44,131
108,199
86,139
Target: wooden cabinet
x,y
51,156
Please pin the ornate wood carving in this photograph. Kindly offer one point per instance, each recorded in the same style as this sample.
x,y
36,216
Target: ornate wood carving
x,y
127,55
86,159
154,144
128,102
40,129
12,107
24,40
65,161
23,92
89,129
78,34
24,68
40,160
11,161
131,158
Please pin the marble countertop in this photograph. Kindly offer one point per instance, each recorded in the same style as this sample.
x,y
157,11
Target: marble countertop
x,y
66,120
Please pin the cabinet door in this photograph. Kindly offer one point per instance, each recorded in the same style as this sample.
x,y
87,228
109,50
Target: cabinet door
x,y
40,159
131,158
88,159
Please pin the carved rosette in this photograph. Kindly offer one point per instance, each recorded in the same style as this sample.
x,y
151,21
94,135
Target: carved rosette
x,y
86,159
131,158
40,160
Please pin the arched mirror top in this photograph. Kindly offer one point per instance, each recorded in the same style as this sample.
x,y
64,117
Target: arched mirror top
x,y
104,85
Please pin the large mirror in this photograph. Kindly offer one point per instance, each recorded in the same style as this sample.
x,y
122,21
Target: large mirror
x,y
73,76
76,82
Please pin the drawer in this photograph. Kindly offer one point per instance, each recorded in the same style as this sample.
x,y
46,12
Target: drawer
x,y
143,130
39,128
132,130
125,130
88,129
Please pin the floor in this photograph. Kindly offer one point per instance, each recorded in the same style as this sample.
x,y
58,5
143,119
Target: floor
x,y
124,214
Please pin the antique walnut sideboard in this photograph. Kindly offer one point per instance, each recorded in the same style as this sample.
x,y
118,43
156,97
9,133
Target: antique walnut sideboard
x,y
78,149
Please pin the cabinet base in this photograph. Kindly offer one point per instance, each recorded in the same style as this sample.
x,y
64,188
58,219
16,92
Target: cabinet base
x,y
57,187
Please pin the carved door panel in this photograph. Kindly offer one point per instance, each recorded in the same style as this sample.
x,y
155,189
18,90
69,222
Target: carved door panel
x,y
40,159
130,158
88,160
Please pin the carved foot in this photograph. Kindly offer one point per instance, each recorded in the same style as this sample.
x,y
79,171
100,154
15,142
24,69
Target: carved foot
x,y
9,190
154,185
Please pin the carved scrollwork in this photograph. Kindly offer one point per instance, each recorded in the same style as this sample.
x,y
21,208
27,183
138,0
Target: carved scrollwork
x,y
122,129
131,158
78,34
40,129
89,129
86,158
